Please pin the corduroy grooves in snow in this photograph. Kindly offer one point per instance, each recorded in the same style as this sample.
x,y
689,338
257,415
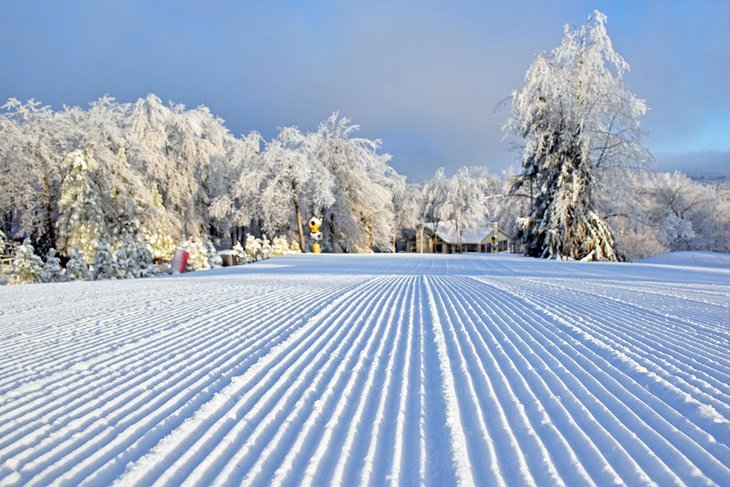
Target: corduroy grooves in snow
x,y
371,370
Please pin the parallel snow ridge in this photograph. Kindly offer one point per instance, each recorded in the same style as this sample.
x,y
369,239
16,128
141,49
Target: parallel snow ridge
x,y
370,370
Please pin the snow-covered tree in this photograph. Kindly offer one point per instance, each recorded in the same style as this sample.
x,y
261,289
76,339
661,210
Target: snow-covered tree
x,y
30,156
105,267
680,210
157,229
127,258
81,221
293,182
27,266
214,260
576,120
2,242
145,266
52,270
362,216
76,268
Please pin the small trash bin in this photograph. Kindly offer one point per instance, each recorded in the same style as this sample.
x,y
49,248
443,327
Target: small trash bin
x,y
180,260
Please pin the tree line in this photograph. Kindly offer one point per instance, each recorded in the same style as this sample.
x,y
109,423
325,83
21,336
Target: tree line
x,y
154,175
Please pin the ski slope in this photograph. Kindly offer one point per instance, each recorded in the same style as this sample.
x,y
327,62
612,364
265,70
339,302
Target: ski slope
x,y
371,370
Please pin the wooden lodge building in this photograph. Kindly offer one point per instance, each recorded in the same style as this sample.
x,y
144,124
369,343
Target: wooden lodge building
x,y
442,238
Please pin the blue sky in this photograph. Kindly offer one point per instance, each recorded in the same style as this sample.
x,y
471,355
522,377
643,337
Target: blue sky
x,y
425,76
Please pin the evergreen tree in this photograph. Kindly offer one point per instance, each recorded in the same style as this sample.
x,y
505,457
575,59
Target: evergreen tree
x,y
127,259
214,260
145,266
105,266
27,267
76,268
52,268
157,230
81,219
577,121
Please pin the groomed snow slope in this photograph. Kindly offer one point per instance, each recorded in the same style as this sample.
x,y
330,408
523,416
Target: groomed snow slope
x,y
364,369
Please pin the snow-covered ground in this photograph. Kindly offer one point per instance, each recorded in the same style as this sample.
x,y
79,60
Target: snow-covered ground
x,y
366,369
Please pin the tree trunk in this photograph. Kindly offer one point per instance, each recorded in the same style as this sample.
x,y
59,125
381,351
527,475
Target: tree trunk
x,y
300,230
50,240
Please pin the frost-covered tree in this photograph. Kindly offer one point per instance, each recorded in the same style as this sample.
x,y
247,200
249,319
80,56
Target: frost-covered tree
x,y
293,182
81,221
105,267
362,215
76,268
157,230
27,266
52,270
682,211
238,199
30,156
576,120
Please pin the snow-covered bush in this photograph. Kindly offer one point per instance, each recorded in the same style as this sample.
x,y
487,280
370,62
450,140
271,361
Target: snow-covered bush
x,y
52,270
279,247
105,267
27,267
265,248
294,247
2,242
76,268
239,252
253,248
198,258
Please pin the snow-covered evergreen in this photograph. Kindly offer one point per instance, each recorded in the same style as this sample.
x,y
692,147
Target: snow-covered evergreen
x,y
52,270
127,259
76,268
27,266
81,221
105,267
576,119
2,242
144,264
214,260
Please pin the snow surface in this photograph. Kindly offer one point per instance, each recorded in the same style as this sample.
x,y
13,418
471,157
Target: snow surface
x,y
371,369
691,259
